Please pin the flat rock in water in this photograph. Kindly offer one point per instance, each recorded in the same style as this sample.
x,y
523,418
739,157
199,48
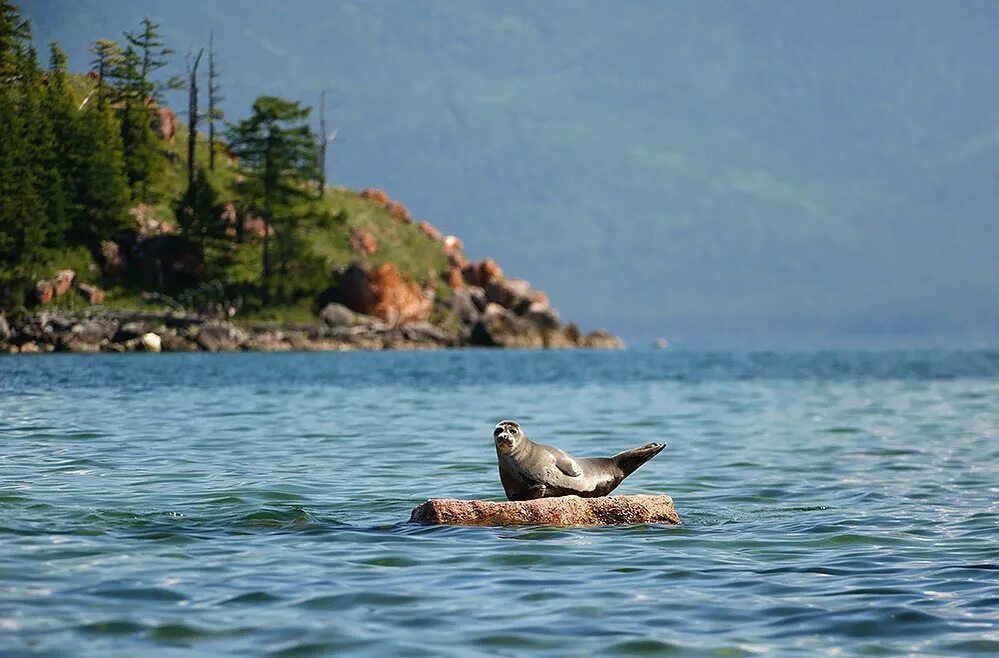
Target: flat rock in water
x,y
565,510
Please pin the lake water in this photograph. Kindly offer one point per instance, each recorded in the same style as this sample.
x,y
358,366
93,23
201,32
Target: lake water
x,y
833,503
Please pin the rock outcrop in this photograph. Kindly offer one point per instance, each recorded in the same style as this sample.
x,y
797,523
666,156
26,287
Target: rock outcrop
x,y
385,294
563,511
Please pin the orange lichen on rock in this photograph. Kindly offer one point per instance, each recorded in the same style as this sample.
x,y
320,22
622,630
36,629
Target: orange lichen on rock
x,y
384,293
166,124
362,242
378,196
455,279
431,231
147,223
481,273
399,211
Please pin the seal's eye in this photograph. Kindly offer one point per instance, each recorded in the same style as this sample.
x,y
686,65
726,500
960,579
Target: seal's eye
x,y
514,429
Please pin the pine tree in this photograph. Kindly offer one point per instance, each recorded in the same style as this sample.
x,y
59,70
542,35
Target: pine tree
x,y
22,204
277,152
103,188
62,118
131,94
107,56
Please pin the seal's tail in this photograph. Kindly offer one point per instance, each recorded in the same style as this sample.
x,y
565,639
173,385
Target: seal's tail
x,y
629,460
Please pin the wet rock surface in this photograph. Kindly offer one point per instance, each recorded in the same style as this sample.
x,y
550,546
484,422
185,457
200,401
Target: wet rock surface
x,y
562,511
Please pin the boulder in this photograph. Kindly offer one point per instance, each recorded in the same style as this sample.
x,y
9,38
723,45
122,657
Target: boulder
x,y
431,231
92,294
455,280
5,332
44,291
62,282
464,306
151,342
94,330
385,294
481,273
542,316
562,511
172,342
509,293
112,263
166,124
362,242
500,327
219,336
338,315
601,339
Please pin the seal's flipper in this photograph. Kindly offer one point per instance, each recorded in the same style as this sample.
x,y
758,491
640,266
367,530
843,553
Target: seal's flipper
x,y
567,465
629,460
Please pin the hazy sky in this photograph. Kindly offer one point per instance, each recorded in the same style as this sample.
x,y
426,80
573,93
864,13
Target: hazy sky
x,y
787,173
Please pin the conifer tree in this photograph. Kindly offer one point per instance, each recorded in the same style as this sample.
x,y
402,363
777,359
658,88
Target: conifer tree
x,y
103,188
62,118
22,204
107,56
277,152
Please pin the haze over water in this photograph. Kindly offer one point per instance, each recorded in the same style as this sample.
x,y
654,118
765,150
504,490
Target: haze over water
x,y
256,504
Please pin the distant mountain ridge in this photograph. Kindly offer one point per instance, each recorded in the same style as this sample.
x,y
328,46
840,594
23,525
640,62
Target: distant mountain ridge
x,y
703,171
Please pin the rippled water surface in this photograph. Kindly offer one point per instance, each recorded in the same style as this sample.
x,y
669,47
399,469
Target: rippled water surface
x,y
256,504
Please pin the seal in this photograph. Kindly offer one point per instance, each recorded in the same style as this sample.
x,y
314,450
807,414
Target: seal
x,y
530,470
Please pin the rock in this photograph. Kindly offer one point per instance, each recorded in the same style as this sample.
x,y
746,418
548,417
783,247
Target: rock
x,y
44,291
482,273
601,339
62,282
431,231
90,334
465,307
563,511
338,315
5,333
113,265
30,347
399,211
148,224
510,293
219,336
385,294
166,124
378,196
172,342
500,327
92,294
452,244
424,332
660,343
542,316
151,342
362,242
455,280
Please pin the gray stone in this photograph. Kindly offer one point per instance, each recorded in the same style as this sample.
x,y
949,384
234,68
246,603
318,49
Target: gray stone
x,y
338,315
219,336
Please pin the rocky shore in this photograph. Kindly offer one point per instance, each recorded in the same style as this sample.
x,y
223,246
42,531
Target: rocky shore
x,y
481,323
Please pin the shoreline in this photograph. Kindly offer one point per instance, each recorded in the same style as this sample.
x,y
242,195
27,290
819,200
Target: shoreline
x,y
98,330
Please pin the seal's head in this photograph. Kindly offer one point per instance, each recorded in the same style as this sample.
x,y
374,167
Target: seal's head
x,y
507,435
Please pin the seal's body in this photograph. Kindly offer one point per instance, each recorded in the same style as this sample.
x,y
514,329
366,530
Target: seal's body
x,y
532,470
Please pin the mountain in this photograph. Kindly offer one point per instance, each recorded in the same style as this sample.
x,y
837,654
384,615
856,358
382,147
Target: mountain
x,y
747,171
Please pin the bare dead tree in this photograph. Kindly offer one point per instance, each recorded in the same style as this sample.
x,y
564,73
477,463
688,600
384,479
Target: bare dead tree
x,y
324,141
192,118
214,88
